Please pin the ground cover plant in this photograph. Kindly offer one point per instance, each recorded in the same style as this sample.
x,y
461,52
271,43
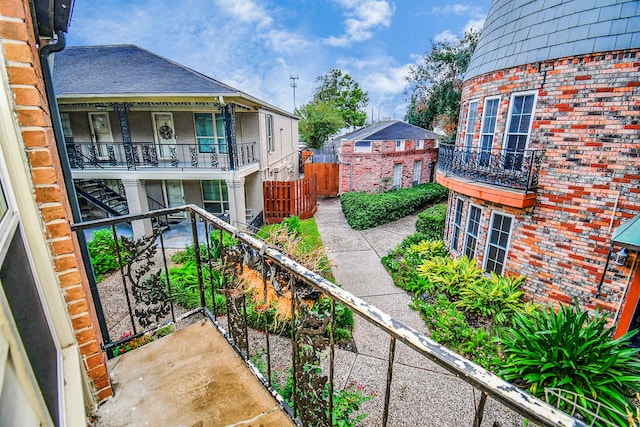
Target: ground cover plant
x,y
363,210
485,319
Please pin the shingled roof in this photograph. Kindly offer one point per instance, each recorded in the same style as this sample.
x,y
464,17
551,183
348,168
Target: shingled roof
x,y
387,131
519,32
126,70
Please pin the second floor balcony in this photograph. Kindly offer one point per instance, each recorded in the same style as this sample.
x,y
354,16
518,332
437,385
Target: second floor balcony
x,y
150,155
505,176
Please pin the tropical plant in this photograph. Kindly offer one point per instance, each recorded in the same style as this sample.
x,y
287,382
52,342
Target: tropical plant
x,y
567,349
498,297
451,276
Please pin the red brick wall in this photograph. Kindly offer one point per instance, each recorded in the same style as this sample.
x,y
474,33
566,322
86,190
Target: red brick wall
x,y
365,171
25,78
587,123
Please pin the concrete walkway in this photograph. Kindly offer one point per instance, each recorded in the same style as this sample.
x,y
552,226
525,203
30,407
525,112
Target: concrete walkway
x,y
422,393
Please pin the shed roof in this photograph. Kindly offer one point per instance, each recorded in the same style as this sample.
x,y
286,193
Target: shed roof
x,y
628,234
387,131
518,32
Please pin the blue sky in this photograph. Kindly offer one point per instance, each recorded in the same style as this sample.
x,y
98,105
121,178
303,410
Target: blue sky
x,y
256,45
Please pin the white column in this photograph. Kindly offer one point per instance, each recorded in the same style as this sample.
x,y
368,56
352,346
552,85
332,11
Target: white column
x,y
136,194
237,203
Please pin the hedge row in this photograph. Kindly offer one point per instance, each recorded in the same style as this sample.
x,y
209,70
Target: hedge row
x,y
431,221
364,210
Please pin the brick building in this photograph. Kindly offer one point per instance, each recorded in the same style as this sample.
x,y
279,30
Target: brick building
x,y
546,164
386,155
52,369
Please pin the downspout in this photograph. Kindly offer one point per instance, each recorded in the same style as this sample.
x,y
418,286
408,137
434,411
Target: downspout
x,y
45,52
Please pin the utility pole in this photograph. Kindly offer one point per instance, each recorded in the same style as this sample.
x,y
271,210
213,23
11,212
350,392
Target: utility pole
x,y
294,85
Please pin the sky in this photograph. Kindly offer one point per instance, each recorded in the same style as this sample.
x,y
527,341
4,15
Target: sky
x,y
256,46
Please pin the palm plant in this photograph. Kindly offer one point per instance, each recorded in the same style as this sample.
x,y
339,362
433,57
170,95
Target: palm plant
x,y
451,276
572,351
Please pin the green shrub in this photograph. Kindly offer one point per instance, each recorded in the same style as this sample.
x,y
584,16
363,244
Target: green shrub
x,y
497,298
431,221
445,322
363,210
451,275
293,225
102,249
569,350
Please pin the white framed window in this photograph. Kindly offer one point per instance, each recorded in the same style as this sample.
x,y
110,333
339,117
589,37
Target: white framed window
x,y
498,242
362,147
487,133
271,147
473,228
210,134
397,176
400,144
417,171
472,116
420,144
457,224
66,127
518,129
215,196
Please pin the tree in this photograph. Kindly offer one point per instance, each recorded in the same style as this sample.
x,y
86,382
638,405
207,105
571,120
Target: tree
x,y
435,84
346,94
318,121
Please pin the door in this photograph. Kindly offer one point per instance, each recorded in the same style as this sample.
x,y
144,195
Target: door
x,y
165,135
397,176
174,197
417,171
100,133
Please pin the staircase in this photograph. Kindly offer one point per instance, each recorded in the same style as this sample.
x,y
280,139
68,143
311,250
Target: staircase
x,y
100,200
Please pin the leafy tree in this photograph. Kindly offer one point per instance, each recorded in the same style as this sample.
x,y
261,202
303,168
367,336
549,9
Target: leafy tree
x,y
346,94
318,121
435,84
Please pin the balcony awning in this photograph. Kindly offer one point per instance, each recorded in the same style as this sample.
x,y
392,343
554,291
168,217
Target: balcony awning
x,y
628,234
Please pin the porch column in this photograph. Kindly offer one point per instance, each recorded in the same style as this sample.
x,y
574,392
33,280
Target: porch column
x,y
136,194
123,118
237,203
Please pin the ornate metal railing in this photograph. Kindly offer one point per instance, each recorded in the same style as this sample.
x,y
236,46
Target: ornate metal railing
x,y
139,155
257,292
505,168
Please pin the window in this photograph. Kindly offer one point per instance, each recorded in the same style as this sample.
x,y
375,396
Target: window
x,y
489,118
400,145
420,144
210,135
519,126
497,243
417,171
100,133
362,147
270,140
473,226
66,127
215,196
471,126
397,175
457,221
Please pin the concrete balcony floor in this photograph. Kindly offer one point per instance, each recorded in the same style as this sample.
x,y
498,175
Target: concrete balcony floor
x,y
192,377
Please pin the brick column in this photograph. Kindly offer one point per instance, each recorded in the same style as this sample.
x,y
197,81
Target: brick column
x,y
237,203
32,111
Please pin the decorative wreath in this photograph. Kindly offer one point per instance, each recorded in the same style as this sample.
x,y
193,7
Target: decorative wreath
x,y
166,132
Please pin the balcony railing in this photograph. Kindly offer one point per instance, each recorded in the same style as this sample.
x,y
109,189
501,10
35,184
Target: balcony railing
x,y
139,155
517,169
239,284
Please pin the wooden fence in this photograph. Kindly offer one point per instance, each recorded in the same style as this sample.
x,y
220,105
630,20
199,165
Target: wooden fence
x,y
283,199
328,177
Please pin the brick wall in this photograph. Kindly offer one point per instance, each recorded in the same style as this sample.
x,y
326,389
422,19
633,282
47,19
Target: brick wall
x,y
367,170
32,111
587,123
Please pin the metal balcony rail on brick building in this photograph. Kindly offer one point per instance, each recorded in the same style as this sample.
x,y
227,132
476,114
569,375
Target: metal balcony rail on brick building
x,y
142,155
514,169
239,282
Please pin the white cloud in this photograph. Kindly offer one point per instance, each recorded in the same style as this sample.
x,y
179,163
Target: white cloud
x,y
457,9
363,16
247,11
446,37
474,24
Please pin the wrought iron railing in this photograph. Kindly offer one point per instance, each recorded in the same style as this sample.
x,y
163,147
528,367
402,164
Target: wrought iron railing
x,y
517,169
239,283
140,155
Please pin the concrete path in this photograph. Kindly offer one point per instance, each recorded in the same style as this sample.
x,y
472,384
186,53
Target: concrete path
x,y
422,393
